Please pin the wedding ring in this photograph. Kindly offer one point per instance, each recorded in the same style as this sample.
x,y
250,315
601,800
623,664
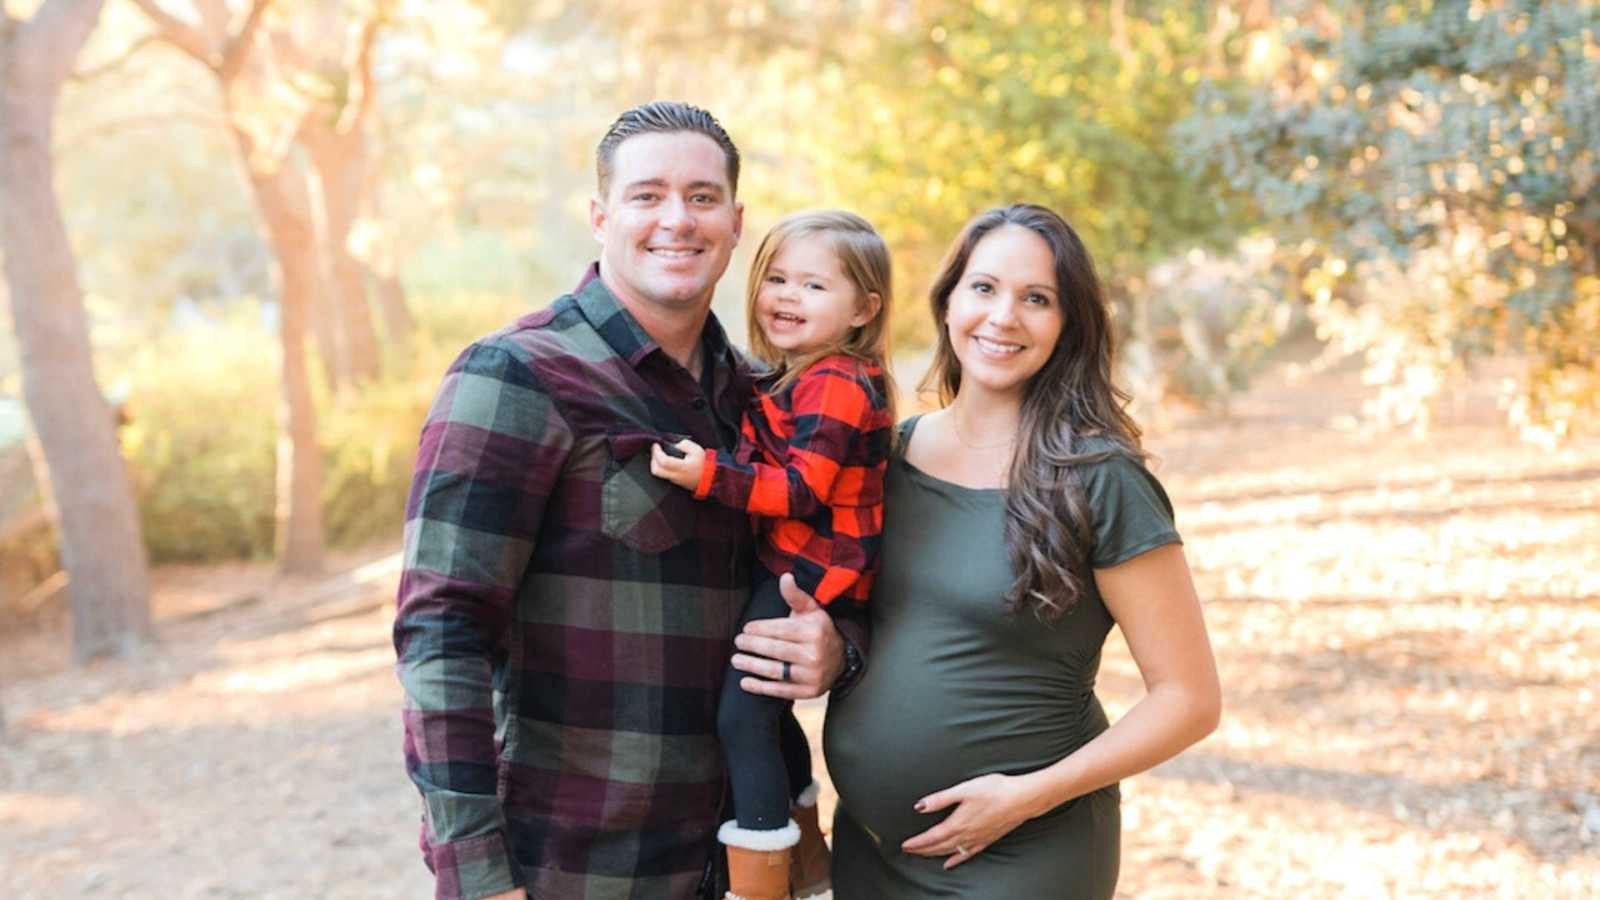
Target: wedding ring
x,y
960,850
785,670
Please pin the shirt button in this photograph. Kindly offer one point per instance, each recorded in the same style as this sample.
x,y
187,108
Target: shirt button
x,y
698,403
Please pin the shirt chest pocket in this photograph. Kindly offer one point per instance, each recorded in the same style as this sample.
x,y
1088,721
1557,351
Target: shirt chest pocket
x,y
638,509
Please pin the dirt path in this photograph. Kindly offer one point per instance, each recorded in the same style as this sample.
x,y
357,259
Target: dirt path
x,y
1408,633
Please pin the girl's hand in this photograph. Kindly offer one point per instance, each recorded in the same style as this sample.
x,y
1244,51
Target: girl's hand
x,y
682,471
986,809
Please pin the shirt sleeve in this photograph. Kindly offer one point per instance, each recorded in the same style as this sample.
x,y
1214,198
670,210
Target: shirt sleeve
x,y
831,411
491,449
1132,514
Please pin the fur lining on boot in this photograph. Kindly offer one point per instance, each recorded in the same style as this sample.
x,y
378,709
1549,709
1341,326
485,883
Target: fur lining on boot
x,y
808,797
759,838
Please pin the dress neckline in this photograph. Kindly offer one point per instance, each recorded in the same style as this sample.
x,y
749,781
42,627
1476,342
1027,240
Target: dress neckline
x,y
906,429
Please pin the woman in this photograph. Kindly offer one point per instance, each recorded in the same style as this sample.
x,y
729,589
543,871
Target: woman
x,y
973,759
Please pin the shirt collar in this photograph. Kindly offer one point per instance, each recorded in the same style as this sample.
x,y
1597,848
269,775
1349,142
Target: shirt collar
x,y
615,324
627,338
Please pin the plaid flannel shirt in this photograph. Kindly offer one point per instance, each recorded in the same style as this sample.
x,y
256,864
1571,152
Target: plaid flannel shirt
x,y
564,617
810,464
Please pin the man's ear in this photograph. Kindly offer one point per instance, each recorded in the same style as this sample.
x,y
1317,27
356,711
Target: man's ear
x,y
867,309
738,221
597,219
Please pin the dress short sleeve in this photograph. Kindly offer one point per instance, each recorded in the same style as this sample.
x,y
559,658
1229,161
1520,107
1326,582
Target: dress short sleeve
x,y
1132,514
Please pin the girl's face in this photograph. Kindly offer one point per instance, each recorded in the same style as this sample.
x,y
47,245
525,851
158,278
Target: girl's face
x,y
1004,316
806,302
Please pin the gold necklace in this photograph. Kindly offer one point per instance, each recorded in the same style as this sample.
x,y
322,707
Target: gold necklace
x,y
955,418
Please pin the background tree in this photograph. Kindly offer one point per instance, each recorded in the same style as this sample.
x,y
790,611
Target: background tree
x,y
335,133
1438,160
264,121
92,502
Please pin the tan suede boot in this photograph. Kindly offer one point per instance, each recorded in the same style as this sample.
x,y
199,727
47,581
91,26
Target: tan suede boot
x,y
811,873
758,861
758,874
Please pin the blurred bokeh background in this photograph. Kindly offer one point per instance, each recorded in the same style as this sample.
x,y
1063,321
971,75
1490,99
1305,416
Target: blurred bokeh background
x,y
1352,249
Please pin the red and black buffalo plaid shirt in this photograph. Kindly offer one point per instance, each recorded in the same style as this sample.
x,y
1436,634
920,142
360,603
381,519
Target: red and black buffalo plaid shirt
x,y
810,466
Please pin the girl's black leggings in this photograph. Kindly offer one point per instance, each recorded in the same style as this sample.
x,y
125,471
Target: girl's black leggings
x,y
769,759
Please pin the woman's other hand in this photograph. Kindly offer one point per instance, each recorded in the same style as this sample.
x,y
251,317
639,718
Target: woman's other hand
x,y
987,808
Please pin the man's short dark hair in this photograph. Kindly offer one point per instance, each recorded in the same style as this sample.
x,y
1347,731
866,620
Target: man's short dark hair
x,y
663,117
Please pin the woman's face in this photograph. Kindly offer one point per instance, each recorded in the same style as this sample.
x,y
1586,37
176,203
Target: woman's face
x,y
1005,316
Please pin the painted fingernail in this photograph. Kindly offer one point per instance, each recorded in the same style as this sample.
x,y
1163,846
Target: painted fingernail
x,y
921,806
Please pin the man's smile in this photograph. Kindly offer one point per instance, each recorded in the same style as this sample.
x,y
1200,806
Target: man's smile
x,y
675,252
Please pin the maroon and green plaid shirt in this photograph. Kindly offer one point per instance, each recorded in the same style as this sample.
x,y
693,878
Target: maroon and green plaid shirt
x,y
565,617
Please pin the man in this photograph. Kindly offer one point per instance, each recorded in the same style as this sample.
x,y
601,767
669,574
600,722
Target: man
x,y
564,617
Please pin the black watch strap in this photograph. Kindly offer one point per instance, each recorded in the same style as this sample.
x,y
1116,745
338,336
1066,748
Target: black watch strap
x,y
852,669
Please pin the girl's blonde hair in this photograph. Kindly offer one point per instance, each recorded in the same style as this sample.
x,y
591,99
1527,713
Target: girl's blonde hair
x,y
865,259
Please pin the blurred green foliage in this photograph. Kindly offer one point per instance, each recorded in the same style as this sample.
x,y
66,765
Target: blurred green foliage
x,y
978,104
1440,159
201,435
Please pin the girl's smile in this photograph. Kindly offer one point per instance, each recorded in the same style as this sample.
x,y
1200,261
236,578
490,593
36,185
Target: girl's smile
x,y
806,301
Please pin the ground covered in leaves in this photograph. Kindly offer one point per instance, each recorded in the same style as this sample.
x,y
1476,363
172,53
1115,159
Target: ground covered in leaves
x,y
1408,632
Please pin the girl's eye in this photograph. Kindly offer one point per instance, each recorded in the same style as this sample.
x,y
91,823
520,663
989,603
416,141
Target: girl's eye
x,y
774,279
1039,299
982,287
815,286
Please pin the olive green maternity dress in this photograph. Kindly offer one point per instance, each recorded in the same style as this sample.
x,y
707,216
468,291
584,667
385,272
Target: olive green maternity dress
x,y
957,687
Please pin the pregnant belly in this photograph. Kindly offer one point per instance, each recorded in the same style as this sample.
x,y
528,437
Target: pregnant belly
x,y
885,754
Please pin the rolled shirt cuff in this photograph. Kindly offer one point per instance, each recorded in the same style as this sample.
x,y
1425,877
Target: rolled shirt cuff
x,y
473,867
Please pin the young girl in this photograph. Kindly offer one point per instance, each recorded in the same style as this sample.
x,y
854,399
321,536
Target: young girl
x,y
809,468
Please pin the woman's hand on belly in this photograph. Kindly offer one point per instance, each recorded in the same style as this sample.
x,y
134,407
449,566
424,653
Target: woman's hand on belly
x,y
987,808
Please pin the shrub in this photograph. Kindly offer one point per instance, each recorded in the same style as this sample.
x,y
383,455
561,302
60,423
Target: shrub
x,y
201,441
201,435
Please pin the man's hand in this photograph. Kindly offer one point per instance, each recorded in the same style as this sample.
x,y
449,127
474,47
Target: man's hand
x,y
806,640
683,471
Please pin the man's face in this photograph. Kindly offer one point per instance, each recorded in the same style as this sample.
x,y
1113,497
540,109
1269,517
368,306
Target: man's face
x,y
668,223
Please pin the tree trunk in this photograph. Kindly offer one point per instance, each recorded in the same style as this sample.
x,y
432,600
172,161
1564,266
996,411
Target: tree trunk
x,y
93,506
398,322
327,321
279,191
285,209
378,255
324,323
339,159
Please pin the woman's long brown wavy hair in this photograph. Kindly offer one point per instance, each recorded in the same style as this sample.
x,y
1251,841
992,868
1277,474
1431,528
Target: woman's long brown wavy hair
x,y
1049,528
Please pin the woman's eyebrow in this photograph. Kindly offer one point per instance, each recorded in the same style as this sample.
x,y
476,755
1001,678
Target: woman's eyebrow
x,y
975,273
